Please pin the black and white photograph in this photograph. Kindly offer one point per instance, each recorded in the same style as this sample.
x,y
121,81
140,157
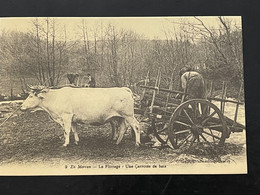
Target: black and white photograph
x,y
122,95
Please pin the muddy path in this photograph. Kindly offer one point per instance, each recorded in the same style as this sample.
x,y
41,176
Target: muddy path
x,y
34,138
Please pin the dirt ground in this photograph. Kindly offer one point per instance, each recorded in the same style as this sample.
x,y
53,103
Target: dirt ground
x,y
34,138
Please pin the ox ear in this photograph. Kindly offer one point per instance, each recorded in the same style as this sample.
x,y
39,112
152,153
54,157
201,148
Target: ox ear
x,y
45,90
41,95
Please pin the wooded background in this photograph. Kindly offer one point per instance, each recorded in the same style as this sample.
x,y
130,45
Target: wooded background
x,y
118,57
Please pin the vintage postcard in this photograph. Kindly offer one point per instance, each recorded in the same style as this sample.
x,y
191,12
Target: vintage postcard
x,y
122,95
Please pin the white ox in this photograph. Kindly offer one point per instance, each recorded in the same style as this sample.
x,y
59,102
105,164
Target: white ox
x,y
94,106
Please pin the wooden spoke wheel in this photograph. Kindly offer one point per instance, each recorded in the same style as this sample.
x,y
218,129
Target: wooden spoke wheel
x,y
196,121
160,130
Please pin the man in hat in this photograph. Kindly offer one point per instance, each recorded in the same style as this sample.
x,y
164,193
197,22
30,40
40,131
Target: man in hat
x,y
91,81
193,83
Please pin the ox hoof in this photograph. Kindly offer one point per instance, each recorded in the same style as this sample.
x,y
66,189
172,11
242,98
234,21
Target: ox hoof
x,y
137,144
77,143
114,139
64,145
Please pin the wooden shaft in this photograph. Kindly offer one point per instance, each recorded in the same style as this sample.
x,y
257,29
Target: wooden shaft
x,y
162,99
210,90
170,88
159,81
162,89
145,83
154,92
237,106
162,103
219,99
222,97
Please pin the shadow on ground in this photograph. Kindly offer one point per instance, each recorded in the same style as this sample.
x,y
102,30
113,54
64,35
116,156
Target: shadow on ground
x,y
34,137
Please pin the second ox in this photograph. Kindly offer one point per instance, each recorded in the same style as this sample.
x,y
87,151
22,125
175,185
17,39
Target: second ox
x,y
94,106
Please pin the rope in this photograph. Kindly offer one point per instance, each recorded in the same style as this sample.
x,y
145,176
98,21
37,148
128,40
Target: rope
x,y
10,115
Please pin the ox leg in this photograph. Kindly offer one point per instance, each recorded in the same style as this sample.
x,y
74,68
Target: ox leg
x,y
74,130
67,119
135,126
114,126
122,129
113,130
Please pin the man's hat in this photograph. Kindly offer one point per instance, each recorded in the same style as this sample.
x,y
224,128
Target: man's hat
x,y
185,69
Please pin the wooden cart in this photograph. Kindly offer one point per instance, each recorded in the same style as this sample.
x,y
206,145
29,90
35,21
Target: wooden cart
x,y
182,123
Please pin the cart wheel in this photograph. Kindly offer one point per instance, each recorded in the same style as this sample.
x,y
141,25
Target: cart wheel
x,y
196,121
160,129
